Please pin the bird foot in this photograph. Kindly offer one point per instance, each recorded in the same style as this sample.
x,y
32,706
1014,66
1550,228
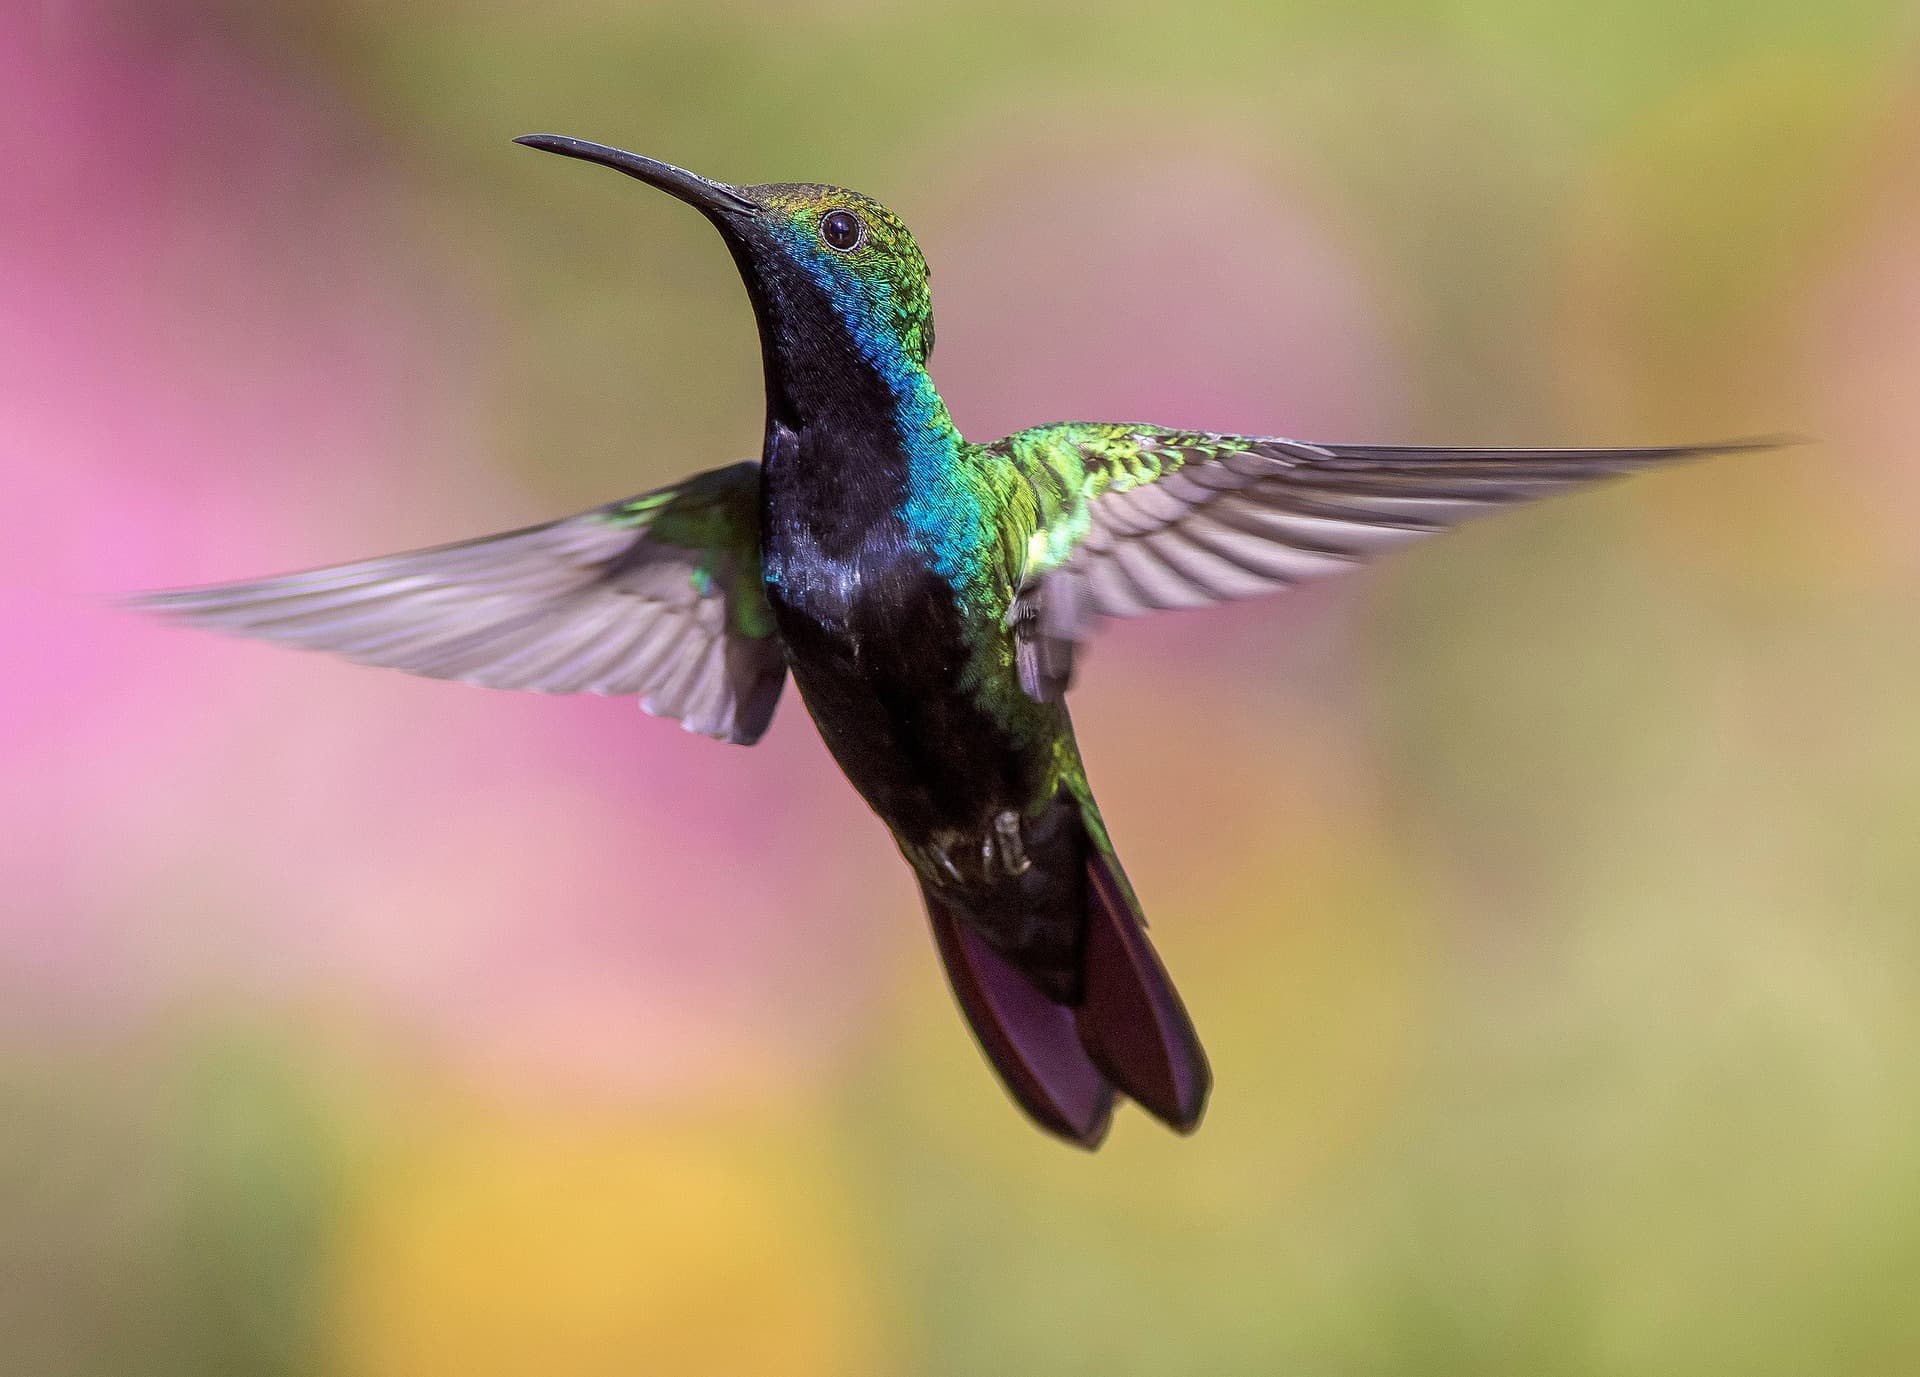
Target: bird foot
x,y
935,861
1005,846
1002,850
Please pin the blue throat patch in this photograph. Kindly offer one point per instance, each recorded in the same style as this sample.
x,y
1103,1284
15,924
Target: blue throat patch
x,y
943,511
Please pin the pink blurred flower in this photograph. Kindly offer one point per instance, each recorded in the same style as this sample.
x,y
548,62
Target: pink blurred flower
x,y
209,367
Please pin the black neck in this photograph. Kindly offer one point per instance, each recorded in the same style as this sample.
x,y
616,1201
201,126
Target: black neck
x,y
817,377
833,452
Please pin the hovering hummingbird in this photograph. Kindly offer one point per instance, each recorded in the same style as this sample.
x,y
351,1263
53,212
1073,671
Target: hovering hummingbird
x,y
928,594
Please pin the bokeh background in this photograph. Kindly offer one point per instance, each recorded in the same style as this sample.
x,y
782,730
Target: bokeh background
x,y
1549,897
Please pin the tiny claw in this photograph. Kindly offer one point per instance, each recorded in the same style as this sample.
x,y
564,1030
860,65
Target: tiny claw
x,y
1012,845
935,856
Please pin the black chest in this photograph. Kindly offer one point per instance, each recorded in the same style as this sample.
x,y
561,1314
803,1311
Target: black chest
x,y
897,677
846,579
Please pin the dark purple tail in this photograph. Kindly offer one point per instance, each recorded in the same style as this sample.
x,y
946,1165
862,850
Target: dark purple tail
x,y
1064,1063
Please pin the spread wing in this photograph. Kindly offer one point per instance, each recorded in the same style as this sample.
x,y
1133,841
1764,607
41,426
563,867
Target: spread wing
x,y
658,596
1130,519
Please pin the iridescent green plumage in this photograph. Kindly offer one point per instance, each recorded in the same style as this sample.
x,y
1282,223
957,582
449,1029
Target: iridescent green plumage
x,y
715,517
927,595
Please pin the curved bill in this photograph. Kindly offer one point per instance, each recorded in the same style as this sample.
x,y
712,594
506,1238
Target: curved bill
x,y
690,187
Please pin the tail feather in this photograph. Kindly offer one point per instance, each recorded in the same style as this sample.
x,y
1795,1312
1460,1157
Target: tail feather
x,y
1063,1063
1030,1039
1131,1022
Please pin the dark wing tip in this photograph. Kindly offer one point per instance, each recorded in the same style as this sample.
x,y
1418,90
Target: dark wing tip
x,y
1504,455
162,602
192,605
1739,444
1782,439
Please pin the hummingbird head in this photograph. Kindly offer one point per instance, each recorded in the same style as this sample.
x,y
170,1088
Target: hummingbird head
x,y
835,278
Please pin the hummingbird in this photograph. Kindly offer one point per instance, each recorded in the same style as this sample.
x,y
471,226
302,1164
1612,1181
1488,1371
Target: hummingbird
x,y
928,595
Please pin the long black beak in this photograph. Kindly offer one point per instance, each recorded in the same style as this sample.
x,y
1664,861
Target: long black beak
x,y
695,190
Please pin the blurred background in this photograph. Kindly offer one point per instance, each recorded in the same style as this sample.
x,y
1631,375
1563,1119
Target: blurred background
x,y
1549,897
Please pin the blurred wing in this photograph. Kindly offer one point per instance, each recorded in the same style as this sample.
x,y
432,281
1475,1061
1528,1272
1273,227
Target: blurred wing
x,y
658,596
1130,519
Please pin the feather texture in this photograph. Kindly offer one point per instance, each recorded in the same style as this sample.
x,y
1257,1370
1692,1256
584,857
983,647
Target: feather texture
x,y
658,597
1133,519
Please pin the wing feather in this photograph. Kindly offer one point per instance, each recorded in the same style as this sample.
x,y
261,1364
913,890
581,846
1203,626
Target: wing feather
x,y
657,597
1130,519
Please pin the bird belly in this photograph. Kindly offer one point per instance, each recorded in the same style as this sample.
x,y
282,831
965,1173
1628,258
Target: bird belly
x,y
887,676
967,774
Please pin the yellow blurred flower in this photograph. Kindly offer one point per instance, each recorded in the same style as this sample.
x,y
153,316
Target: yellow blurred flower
x,y
497,1246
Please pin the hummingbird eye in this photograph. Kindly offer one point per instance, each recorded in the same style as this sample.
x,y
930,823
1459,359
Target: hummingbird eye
x,y
842,230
